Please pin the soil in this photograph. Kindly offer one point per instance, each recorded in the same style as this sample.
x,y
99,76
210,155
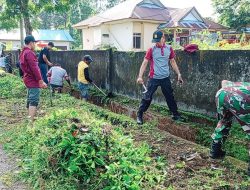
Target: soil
x,y
181,173
196,173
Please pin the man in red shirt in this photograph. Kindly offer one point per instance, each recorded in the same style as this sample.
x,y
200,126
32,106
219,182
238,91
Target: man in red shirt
x,y
159,57
31,75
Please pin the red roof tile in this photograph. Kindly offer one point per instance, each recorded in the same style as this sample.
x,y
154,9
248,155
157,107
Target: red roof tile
x,y
132,9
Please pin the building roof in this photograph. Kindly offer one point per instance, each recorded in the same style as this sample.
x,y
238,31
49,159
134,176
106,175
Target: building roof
x,y
179,20
53,35
41,35
152,10
134,9
214,25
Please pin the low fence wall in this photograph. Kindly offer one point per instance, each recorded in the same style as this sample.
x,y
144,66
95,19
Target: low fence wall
x,y
202,73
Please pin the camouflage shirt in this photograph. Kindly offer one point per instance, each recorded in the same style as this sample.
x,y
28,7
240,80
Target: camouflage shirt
x,y
235,97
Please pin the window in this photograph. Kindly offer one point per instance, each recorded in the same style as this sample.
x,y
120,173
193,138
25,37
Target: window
x,y
183,41
105,35
62,47
169,38
137,41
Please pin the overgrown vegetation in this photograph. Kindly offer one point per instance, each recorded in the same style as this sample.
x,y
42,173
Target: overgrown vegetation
x,y
236,144
82,146
69,149
205,41
101,158
11,87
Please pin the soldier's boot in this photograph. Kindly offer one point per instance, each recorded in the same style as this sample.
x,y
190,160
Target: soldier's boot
x,y
216,152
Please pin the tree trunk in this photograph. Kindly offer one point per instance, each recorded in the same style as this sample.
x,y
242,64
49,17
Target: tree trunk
x,y
24,8
27,25
21,32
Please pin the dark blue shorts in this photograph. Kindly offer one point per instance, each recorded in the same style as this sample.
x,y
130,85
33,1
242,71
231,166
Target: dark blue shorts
x,y
33,96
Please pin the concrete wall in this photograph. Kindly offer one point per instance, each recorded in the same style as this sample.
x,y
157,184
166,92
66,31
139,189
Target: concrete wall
x,y
62,43
16,44
88,38
149,29
202,74
14,57
121,35
98,70
97,37
104,32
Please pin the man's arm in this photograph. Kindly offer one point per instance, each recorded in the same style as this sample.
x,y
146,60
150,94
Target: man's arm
x,y
33,64
148,57
46,60
49,73
86,74
68,80
176,69
66,77
142,70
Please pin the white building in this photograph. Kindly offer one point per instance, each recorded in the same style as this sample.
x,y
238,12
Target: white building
x,y
61,38
130,25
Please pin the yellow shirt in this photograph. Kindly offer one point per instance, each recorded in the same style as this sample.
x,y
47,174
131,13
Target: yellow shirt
x,y
81,77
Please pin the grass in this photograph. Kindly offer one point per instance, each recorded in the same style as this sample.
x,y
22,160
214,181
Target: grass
x,y
55,154
136,157
236,144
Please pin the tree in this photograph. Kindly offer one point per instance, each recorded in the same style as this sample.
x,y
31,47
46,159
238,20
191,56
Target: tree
x,y
233,13
75,13
7,21
112,3
13,11
27,10
79,11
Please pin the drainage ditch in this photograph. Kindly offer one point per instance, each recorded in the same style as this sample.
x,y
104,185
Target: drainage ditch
x,y
198,129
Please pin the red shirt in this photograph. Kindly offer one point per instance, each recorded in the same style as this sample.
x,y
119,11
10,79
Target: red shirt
x,y
159,57
29,66
149,54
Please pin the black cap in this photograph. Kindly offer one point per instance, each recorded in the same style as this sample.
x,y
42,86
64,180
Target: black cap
x,y
88,58
157,36
29,39
51,44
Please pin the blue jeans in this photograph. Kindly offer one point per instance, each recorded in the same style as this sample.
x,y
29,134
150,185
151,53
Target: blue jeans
x,y
44,71
84,89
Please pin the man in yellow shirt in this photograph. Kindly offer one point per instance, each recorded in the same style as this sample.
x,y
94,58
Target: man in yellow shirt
x,y
83,76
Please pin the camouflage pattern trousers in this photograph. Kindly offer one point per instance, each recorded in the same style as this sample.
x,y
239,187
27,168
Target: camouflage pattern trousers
x,y
233,100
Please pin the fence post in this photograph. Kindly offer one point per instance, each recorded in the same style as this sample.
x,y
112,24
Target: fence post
x,y
110,70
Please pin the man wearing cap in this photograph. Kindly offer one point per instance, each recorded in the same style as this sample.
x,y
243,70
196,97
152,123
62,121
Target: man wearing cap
x,y
31,75
159,57
83,76
56,75
44,60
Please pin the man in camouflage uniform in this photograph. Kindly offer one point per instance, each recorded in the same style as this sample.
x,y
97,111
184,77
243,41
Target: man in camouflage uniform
x,y
232,100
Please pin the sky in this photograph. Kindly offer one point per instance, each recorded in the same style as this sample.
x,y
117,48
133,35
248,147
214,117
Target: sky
x,y
203,6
